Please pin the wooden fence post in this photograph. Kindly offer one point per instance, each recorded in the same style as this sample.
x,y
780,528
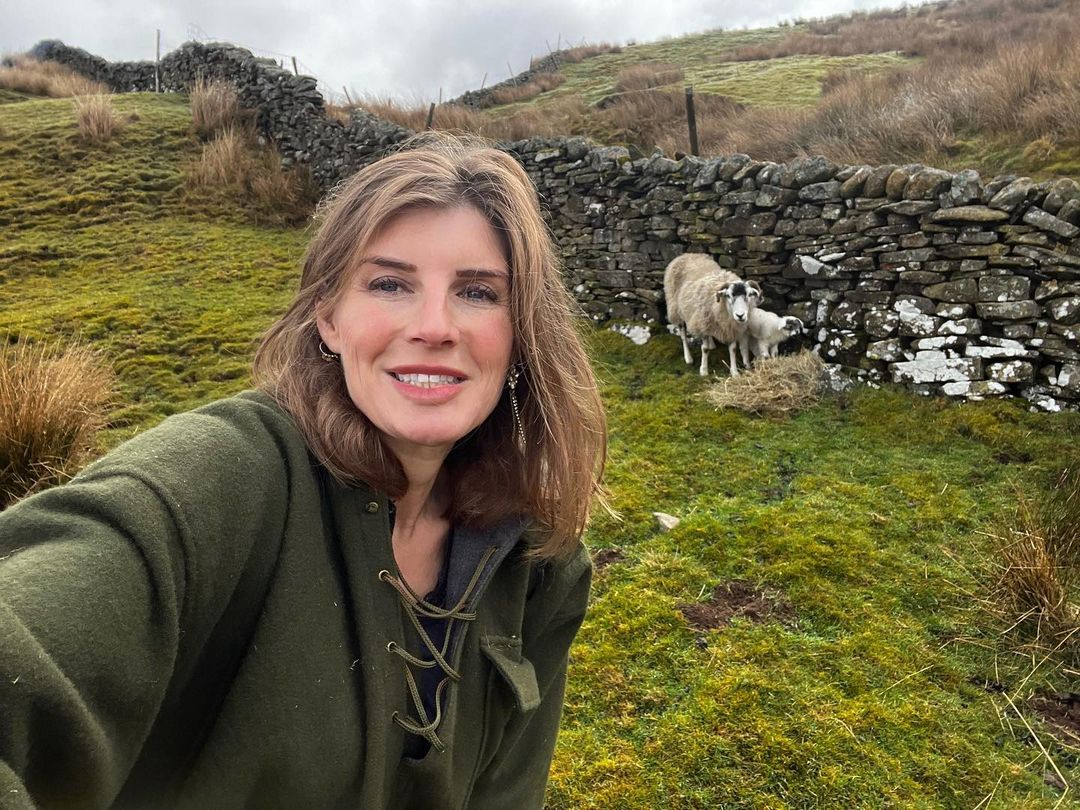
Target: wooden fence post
x,y
347,97
294,69
157,64
691,120
430,116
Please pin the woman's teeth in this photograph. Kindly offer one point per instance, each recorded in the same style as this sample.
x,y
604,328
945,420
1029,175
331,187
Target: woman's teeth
x,y
427,380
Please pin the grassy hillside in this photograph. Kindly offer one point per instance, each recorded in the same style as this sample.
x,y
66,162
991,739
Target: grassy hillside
x,y
989,84
847,546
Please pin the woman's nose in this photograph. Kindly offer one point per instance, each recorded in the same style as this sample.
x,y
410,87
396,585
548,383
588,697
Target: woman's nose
x,y
435,323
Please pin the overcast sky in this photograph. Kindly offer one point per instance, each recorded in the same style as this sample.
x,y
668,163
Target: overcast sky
x,y
405,48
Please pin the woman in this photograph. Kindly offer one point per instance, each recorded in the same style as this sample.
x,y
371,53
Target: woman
x,y
356,586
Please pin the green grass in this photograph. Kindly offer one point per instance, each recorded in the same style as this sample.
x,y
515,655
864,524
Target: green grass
x,y
865,511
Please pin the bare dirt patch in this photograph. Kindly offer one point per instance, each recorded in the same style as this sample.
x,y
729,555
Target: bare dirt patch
x,y
604,557
1061,712
739,599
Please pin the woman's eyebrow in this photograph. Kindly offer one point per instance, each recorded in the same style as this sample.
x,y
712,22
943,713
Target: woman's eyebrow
x,y
482,272
398,264
385,261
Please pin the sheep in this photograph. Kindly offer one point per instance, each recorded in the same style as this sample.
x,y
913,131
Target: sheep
x,y
765,331
706,301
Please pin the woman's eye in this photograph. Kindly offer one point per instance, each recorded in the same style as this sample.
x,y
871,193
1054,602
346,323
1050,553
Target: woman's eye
x,y
480,292
386,284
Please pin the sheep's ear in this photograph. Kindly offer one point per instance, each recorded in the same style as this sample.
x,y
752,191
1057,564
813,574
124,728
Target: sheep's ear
x,y
720,294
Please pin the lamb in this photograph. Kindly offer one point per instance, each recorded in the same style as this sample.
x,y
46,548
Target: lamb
x,y
765,331
706,301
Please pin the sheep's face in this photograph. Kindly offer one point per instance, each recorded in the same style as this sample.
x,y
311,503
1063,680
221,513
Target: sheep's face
x,y
739,297
793,326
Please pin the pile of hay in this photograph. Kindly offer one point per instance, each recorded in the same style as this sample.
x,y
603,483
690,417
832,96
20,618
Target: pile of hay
x,y
778,386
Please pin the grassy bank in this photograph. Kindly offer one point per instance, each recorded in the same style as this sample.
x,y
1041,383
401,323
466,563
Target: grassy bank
x,y
846,545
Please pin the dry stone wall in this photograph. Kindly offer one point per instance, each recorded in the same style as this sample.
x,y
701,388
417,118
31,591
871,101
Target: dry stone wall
x,y
289,110
938,281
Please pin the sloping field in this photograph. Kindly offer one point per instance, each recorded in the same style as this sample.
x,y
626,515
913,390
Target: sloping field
x,y
812,634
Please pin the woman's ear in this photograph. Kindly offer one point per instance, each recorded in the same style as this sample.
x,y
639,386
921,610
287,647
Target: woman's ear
x,y
328,332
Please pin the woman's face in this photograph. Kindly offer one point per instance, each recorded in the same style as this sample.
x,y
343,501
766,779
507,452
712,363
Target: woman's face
x,y
423,328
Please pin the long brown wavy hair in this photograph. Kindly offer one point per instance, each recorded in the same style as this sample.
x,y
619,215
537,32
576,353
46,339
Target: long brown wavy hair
x,y
557,474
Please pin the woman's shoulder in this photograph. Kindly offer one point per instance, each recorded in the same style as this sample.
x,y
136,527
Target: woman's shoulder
x,y
247,435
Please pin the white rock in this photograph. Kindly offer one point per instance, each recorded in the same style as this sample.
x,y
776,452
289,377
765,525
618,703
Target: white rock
x,y
937,371
638,334
667,522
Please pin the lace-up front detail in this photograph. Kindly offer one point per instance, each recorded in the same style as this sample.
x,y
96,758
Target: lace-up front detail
x,y
415,607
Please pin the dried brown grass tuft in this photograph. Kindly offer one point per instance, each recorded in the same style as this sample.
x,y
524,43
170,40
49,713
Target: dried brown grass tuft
x,y
540,83
28,75
53,400
1037,590
778,386
232,162
215,107
225,162
96,119
647,75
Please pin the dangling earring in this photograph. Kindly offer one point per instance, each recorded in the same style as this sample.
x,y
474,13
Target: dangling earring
x,y
327,355
511,383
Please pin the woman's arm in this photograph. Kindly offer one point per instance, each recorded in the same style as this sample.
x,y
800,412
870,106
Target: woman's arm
x,y
109,586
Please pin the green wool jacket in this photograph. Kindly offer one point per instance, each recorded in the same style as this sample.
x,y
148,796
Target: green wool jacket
x,y
204,618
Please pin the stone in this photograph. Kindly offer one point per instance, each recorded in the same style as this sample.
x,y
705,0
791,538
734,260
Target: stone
x,y
807,170
954,311
970,327
937,371
1013,195
881,323
1013,371
898,180
918,303
927,184
904,256
963,291
1017,330
755,225
707,174
1060,192
969,213
875,182
1048,222
1070,211
921,277
1004,288
910,208
846,315
770,196
1009,310
852,187
820,192
914,322
1068,378
665,521
765,244
1064,310
888,350
974,389
1012,348
731,166
940,343
966,188
1054,288
835,380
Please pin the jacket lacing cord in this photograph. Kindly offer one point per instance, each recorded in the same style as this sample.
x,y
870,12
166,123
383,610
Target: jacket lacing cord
x,y
416,606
